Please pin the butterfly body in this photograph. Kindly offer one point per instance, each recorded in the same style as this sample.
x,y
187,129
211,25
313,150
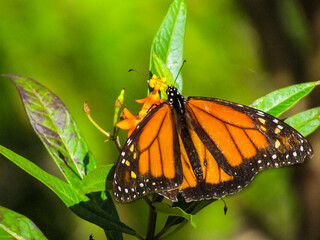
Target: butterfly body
x,y
203,148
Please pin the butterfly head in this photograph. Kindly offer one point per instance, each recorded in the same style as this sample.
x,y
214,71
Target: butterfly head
x,y
172,93
175,99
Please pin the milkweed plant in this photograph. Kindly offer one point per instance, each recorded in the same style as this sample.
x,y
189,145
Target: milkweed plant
x,y
86,190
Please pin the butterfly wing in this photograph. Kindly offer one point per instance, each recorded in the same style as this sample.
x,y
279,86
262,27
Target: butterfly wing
x,y
233,143
149,161
208,149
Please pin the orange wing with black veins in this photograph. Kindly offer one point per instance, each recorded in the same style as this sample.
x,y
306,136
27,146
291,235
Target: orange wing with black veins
x,y
149,162
233,143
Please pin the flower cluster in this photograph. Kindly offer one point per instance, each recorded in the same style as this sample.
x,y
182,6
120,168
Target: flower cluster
x,y
153,99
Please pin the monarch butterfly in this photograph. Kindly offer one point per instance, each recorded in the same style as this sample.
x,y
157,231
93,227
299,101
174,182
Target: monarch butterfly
x,y
203,148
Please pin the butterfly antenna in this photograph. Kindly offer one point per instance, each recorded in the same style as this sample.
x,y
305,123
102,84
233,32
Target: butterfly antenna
x,y
225,208
133,70
184,61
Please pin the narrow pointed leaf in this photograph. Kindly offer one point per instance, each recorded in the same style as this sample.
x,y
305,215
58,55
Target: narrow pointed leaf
x,y
57,130
305,122
18,226
175,211
279,101
169,40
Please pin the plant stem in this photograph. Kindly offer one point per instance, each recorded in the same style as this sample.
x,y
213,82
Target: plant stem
x,y
152,221
118,144
113,137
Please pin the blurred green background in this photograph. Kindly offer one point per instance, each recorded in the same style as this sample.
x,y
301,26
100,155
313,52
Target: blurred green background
x,y
82,50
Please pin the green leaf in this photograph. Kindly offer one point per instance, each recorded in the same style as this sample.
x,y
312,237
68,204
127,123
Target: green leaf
x,y
162,71
94,214
96,180
57,130
169,40
305,122
5,235
105,204
112,235
81,205
190,207
108,206
61,136
64,191
18,226
279,101
175,211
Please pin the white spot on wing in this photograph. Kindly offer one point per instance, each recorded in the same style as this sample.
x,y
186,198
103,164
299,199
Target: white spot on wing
x,y
129,141
260,113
